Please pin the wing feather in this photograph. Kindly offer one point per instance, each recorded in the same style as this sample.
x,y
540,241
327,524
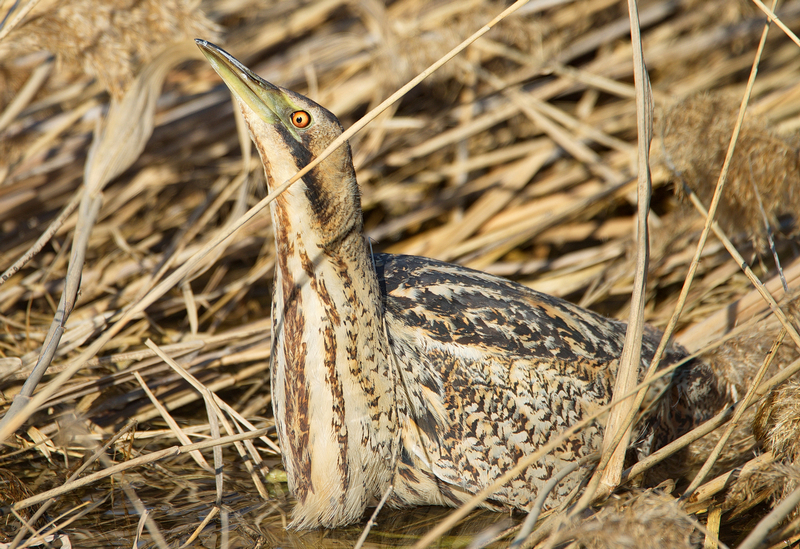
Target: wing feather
x,y
491,370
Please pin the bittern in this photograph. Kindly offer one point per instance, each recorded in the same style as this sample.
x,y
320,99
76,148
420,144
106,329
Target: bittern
x,y
406,371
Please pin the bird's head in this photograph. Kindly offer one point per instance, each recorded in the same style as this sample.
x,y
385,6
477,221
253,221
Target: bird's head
x,y
290,130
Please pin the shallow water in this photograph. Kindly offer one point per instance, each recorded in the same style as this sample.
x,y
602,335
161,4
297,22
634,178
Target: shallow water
x,y
178,503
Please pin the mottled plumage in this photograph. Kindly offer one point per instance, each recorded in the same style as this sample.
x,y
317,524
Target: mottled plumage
x,y
408,371
493,369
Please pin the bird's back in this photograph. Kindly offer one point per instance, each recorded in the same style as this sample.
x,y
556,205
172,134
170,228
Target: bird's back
x,y
492,370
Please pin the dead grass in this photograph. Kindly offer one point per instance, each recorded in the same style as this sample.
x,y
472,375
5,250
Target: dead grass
x,y
636,522
764,187
518,157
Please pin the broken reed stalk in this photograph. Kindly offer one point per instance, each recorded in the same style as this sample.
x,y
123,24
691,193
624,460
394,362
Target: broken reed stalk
x,y
87,215
173,425
621,418
200,527
704,495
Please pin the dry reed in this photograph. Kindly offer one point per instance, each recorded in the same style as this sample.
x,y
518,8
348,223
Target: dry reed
x,y
518,157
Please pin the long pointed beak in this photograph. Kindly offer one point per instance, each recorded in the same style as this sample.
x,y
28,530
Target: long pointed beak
x,y
263,98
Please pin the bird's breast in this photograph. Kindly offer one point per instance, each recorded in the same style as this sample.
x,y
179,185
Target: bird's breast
x,y
333,384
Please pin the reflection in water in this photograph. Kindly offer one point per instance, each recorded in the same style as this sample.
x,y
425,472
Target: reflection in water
x,y
180,501
395,528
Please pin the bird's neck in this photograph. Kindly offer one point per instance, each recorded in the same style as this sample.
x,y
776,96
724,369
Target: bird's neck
x,y
333,377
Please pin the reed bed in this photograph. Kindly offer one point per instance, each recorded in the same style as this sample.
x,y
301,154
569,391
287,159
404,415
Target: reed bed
x,y
136,354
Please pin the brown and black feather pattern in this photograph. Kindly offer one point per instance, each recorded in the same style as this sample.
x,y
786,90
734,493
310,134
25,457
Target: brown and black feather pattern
x,y
493,369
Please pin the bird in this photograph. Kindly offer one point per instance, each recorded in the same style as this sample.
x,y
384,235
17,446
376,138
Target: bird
x,y
407,372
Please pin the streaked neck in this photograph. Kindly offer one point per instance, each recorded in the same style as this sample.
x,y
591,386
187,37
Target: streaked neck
x,y
333,379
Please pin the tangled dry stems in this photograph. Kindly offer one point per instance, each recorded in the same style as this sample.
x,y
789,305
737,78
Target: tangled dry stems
x,y
456,171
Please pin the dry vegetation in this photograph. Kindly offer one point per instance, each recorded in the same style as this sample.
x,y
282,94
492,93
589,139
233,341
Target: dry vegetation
x,y
518,157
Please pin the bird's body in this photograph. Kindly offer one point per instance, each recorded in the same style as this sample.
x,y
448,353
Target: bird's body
x,y
410,372
491,370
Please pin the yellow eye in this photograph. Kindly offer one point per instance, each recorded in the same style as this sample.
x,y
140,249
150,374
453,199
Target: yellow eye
x,y
301,119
